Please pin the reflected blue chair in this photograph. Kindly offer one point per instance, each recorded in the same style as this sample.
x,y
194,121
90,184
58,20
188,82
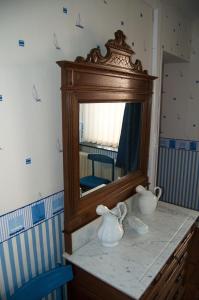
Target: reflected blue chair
x,y
92,181
43,284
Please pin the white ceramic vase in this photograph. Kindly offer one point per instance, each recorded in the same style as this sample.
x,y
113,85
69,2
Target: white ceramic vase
x,y
111,230
146,200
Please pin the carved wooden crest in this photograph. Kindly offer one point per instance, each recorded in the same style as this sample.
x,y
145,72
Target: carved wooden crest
x,y
118,55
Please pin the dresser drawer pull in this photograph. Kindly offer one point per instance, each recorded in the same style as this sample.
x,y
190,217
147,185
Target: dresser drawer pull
x,y
182,258
161,273
179,278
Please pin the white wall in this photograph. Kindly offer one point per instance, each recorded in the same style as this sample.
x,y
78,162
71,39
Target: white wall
x,y
171,33
31,129
180,99
176,32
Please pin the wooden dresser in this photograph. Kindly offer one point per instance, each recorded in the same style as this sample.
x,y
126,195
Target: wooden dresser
x,y
169,284
173,281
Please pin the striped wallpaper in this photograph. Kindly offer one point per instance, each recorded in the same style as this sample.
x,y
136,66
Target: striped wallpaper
x,y
178,172
37,248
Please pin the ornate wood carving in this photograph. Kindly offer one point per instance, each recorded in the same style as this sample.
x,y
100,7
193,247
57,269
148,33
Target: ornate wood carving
x,y
118,55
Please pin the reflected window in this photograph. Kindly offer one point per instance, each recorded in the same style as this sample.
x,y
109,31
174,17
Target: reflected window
x,y
100,123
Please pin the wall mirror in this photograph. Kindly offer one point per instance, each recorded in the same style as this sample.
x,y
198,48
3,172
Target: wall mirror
x,y
103,86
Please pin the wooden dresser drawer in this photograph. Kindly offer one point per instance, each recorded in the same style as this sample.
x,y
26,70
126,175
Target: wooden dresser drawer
x,y
183,247
172,276
169,283
173,283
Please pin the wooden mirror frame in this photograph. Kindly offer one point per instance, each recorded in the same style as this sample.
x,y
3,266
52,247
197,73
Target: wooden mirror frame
x,y
110,78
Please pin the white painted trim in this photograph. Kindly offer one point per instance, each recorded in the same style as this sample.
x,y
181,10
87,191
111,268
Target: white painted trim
x,y
156,99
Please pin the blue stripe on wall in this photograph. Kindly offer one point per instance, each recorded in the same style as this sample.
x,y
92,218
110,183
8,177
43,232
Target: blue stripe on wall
x,y
41,248
12,263
27,245
20,257
178,174
34,245
48,244
5,291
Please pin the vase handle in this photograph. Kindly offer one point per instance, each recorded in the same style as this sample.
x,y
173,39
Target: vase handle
x,y
157,188
124,209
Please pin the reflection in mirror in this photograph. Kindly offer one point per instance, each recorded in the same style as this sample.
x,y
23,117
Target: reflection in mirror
x,y
109,139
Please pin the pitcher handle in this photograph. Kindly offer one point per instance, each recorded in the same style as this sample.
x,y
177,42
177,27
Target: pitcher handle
x,y
157,188
124,208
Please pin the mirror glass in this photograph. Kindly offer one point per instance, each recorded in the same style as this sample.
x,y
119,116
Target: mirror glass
x,y
109,142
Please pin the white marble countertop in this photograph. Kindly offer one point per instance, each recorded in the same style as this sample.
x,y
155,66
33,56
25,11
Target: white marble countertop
x,y
132,265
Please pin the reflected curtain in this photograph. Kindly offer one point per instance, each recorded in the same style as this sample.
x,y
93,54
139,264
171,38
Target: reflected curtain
x,y
129,144
102,122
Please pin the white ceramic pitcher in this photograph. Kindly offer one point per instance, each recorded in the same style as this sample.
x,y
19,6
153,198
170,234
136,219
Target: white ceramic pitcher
x,y
111,230
146,200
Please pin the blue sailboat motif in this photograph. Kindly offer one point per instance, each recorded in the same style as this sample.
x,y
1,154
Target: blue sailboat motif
x,y
78,22
35,94
55,41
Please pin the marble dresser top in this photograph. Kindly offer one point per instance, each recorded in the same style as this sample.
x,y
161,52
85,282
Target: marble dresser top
x,y
132,265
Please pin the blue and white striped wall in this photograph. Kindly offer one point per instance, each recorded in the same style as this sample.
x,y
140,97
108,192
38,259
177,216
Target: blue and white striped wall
x,y
31,243
178,172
